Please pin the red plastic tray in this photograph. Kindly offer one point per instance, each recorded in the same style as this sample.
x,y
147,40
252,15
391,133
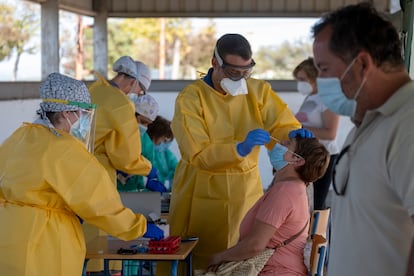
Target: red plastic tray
x,y
164,246
162,250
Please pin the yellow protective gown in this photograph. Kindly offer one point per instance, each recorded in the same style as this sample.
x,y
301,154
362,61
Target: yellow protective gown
x,y
117,143
45,181
214,186
117,137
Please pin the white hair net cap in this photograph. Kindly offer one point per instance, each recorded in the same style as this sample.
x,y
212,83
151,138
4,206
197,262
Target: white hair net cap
x,y
135,69
144,75
147,106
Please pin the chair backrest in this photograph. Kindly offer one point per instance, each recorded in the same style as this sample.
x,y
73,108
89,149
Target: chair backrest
x,y
318,237
318,254
319,223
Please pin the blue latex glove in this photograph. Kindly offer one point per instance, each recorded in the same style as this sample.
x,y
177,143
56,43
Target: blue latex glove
x,y
153,173
155,185
256,137
301,132
153,232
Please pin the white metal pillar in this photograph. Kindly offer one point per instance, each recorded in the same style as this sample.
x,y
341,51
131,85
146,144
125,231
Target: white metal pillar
x,y
100,38
50,37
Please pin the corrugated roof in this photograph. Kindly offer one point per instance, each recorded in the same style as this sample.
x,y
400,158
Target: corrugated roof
x,y
210,8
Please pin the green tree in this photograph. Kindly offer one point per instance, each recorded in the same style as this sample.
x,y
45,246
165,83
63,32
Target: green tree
x,y
7,31
278,62
199,52
140,38
18,25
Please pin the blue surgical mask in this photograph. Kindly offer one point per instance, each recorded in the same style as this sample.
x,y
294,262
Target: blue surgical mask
x,y
331,94
133,97
162,147
142,129
277,158
80,129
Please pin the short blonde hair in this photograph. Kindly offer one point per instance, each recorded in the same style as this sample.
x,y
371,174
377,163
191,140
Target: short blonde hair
x,y
308,67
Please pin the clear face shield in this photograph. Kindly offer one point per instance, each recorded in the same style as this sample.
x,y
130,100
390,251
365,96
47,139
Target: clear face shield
x,y
84,127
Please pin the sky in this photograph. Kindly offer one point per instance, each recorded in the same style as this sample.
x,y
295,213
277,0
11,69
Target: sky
x,y
264,31
259,32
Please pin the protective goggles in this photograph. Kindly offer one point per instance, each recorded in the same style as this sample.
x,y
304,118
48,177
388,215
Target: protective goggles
x,y
234,72
85,131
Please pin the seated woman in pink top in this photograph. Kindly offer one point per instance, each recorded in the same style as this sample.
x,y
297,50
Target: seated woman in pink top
x,y
282,212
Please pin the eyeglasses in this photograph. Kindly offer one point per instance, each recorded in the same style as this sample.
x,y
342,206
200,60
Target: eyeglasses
x,y
340,187
235,72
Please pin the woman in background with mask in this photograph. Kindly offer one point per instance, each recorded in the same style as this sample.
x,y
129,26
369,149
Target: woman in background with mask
x,y
323,123
49,180
164,159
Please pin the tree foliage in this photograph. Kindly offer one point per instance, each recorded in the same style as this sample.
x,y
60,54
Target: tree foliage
x,y
140,38
278,62
7,31
18,25
200,50
186,52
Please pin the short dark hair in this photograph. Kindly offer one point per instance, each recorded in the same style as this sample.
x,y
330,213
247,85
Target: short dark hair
x,y
160,127
316,159
54,117
361,27
308,67
234,44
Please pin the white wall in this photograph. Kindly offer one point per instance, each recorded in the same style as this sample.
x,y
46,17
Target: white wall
x,y
13,113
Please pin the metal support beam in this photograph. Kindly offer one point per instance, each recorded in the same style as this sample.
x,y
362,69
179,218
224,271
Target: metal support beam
x,y
30,90
50,37
100,37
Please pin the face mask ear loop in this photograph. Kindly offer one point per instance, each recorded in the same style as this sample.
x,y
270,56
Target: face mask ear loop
x,y
296,155
347,69
70,124
359,89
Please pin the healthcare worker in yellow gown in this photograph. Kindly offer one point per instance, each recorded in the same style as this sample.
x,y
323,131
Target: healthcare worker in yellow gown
x,y
49,181
219,122
117,138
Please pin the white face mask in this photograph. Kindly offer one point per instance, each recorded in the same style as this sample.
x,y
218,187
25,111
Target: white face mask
x,y
234,88
304,88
